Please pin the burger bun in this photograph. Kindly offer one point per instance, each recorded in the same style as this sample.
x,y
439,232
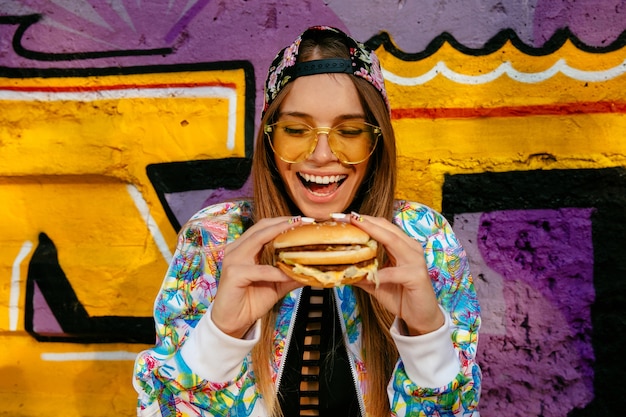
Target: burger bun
x,y
326,254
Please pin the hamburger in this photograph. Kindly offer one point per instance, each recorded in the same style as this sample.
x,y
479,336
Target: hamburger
x,y
326,254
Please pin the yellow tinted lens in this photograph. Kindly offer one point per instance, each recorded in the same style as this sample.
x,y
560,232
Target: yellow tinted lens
x,y
353,142
292,142
350,142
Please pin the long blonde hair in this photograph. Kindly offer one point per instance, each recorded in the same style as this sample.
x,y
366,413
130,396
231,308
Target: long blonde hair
x,y
375,197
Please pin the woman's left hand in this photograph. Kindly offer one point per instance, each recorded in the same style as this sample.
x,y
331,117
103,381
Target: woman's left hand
x,y
405,288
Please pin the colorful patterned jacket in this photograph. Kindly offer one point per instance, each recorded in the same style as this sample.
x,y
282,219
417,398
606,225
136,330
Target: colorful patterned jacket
x,y
195,370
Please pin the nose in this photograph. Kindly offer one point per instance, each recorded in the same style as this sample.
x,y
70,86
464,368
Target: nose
x,y
322,152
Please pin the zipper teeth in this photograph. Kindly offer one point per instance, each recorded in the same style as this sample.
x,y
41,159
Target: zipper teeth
x,y
283,360
355,378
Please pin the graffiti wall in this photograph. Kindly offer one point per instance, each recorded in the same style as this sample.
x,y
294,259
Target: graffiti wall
x,y
120,119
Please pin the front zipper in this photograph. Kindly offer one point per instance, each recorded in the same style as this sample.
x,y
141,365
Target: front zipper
x,y
351,356
292,324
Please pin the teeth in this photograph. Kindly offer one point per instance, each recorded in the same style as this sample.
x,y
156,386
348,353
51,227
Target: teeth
x,y
318,179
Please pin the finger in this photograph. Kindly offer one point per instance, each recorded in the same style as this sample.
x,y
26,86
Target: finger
x,y
377,225
285,288
261,224
400,246
366,285
252,274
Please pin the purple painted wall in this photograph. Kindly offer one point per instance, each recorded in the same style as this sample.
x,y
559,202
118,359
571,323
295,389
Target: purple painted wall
x,y
534,278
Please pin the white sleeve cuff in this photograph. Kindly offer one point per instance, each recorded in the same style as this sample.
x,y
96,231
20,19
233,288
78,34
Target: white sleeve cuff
x,y
215,356
429,360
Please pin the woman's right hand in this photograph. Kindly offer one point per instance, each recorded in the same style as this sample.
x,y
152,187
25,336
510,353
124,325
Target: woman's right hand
x,y
247,290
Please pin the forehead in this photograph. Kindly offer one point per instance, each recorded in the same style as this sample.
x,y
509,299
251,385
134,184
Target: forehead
x,y
322,97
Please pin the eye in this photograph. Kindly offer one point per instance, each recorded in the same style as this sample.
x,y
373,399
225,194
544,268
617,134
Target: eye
x,y
296,130
350,130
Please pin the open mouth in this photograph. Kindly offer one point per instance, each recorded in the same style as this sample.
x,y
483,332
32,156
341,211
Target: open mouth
x,y
321,185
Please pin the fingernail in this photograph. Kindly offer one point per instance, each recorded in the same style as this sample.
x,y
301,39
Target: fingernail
x,y
356,216
295,219
307,220
340,217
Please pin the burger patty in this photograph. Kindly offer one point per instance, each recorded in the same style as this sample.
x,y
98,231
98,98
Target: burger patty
x,y
320,248
325,268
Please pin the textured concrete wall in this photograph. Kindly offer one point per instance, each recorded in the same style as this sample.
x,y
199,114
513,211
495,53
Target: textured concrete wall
x,y
118,120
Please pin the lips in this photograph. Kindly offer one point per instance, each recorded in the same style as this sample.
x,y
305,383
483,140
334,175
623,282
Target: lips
x,y
321,185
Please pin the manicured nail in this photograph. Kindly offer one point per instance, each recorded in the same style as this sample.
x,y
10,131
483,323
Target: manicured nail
x,y
295,219
356,216
340,217
307,220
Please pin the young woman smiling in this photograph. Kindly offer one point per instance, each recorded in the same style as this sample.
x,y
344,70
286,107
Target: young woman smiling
x,y
236,336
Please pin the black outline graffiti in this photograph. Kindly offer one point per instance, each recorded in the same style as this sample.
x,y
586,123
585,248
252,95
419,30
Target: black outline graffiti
x,y
556,41
196,175
495,43
45,272
25,22
604,190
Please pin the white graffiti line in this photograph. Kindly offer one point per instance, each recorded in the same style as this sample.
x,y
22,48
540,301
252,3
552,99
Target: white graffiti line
x,y
119,355
222,92
82,9
14,295
506,68
144,210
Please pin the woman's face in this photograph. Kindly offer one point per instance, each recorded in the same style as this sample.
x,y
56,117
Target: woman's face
x,y
321,184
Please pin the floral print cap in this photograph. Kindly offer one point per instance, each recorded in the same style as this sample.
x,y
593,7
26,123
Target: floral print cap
x,y
363,63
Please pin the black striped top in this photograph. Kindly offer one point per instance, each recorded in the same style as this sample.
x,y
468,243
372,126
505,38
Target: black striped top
x,y
317,380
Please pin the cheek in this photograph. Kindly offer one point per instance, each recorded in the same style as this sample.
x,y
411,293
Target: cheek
x,y
286,173
361,172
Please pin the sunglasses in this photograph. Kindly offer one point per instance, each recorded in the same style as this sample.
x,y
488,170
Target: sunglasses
x,y
351,142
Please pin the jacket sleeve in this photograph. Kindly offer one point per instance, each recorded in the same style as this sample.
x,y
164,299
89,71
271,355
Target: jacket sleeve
x,y
448,268
170,376
430,359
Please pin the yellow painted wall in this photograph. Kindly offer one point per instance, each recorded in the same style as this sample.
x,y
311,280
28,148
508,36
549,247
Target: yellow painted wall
x,y
481,122
73,163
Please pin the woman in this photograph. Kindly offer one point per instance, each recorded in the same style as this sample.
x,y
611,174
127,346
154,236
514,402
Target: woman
x,y
237,337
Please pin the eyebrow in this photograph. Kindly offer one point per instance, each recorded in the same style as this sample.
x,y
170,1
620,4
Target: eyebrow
x,y
341,117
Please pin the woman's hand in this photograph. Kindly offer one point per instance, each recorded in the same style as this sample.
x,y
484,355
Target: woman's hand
x,y
405,288
248,290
